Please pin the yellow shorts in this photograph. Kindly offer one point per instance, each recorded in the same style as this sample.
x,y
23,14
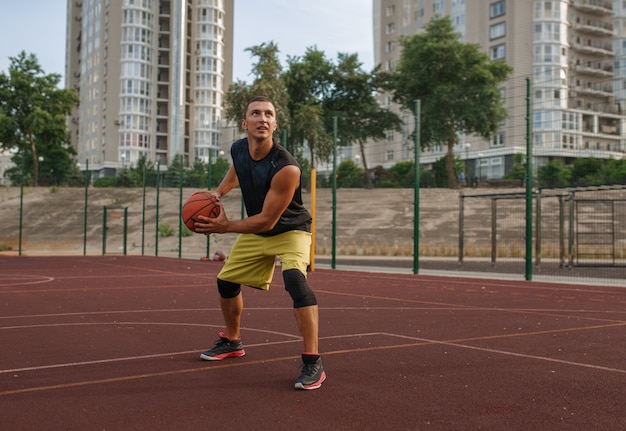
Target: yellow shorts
x,y
252,258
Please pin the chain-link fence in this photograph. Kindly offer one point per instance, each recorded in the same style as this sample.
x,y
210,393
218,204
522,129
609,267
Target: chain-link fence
x,y
576,232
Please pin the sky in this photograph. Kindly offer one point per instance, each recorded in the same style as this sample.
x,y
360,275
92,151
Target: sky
x,y
332,26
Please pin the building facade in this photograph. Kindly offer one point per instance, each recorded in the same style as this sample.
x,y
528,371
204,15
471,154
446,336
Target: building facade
x,y
151,76
572,52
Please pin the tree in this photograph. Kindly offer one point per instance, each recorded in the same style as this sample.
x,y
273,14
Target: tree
x,y
267,82
308,82
615,171
196,176
218,171
456,83
553,175
358,113
518,170
349,175
33,114
172,177
403,173
587,171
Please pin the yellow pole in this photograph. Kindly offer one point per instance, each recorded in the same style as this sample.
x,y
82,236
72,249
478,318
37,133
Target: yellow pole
x,y
313,200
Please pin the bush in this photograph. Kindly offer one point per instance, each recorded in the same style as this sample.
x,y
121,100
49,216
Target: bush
x,y
349,175
165,230
105,182
186,231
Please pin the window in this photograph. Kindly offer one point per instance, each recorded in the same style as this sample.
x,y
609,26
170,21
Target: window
x,y
497,31
547,51
497,140
391,28
390,10
496,9
497,52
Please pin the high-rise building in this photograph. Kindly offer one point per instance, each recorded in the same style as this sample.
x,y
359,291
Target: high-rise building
x,y
573,52
151,77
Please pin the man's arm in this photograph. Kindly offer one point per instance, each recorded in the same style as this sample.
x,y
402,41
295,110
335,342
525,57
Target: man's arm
x,y
281,191
229,182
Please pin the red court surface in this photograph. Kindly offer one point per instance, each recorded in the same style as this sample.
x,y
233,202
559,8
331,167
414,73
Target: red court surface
x,y
113,343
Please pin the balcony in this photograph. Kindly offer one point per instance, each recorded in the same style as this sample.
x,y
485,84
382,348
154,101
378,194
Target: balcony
x,y
599,29
605,71
595,7
597,91
598,49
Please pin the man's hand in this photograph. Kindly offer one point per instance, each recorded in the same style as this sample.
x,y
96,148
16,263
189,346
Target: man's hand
x,y
208,225
215,193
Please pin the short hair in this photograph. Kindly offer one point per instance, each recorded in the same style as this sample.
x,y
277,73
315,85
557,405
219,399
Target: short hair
x,y
257,99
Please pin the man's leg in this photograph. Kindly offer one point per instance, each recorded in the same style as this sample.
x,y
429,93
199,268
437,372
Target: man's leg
x,y
232,309
304,308
308,323
229,345
306,312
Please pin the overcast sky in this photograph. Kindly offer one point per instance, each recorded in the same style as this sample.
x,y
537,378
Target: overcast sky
x,y
38,27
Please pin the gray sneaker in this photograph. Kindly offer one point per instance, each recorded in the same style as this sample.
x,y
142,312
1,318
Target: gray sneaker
x,y
312,375
224,348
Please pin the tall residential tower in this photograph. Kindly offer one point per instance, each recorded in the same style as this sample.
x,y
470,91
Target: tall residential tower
x,y
572,51
151,77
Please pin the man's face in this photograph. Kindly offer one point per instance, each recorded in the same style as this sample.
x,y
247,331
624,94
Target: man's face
x,y
260,121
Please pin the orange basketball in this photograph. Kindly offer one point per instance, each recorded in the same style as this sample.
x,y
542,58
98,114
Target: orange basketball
x,y
201,203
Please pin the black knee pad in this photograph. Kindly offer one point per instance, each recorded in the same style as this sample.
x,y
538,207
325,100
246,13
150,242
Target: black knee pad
x,y
228,289
296,285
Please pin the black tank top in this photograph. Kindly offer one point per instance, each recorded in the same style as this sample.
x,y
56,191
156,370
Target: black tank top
x,y
255,177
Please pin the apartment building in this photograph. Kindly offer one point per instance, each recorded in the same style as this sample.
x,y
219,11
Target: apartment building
x,y
151,77
573,53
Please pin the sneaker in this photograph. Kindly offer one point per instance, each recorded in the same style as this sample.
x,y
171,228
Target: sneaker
x,y
312,375
224,348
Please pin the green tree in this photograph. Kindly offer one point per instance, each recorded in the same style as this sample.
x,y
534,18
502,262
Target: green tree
x,y
615,171
349,175
554,174
457,84
196,176
268,82
586,171
33,113
175,169
360,116
403,173
218,171
440,176
518,170
145,167
308,82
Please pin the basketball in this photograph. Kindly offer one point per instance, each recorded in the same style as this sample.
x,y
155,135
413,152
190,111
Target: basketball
x,y
199,204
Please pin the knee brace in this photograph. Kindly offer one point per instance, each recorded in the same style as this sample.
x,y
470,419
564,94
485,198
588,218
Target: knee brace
x,y
296,285
228,289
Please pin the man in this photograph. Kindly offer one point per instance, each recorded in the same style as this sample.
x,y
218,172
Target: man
x,y
277,225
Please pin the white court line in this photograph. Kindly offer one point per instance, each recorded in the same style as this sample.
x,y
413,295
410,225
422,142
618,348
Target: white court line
x,y
187,310
6,280
188,352
202,325
507,353
296,338
100,313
